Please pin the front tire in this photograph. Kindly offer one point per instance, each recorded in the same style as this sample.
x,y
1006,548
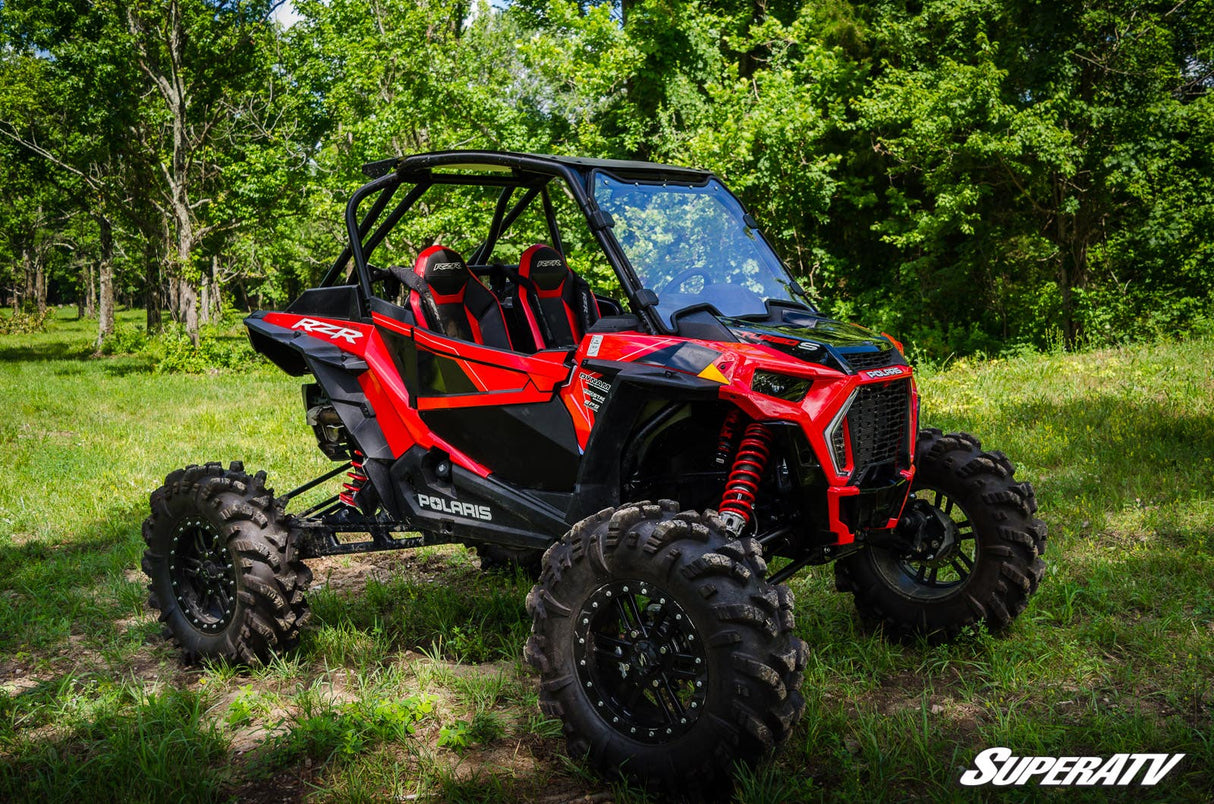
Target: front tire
x,y
978,555
224,571
662,648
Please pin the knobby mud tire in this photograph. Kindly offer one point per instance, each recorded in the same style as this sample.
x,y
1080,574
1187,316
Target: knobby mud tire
x,y
1010,541
753,662
248,559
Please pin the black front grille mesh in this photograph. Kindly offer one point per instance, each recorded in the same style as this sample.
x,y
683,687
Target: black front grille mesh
x,y
878,422
860,361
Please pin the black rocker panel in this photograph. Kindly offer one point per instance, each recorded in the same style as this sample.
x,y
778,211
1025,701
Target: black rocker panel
x,y
533,446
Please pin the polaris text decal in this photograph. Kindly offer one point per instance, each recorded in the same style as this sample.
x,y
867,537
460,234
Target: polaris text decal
x,y
455,507
335,332
892,371
998,766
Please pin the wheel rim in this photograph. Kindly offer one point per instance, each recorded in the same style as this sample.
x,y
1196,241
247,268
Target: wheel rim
x,y
203,575
934,572
640,660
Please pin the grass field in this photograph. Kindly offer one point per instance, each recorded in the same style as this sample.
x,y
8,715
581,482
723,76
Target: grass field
x,y
410,683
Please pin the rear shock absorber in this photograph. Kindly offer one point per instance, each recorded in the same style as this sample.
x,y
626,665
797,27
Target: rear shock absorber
x,y
738,502
358,479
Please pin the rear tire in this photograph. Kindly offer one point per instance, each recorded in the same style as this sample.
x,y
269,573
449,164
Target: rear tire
x,y
224,571
662,648
989,563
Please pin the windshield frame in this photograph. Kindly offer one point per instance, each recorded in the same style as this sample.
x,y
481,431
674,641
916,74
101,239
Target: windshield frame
x,y
668,320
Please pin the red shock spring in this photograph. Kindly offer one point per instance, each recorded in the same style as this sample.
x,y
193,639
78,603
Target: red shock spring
x,y
358,479
729,428
748,465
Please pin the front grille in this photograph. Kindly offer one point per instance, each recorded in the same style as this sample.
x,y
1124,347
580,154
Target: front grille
x,y
878,422
861,361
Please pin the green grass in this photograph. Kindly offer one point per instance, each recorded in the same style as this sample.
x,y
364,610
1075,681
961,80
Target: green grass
x,y
409,679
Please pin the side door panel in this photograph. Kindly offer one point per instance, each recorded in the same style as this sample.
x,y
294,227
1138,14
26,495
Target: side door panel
x,y
499,408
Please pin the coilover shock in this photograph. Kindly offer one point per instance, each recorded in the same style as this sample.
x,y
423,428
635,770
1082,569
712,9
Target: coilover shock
x,y
738,502
358,479
729,429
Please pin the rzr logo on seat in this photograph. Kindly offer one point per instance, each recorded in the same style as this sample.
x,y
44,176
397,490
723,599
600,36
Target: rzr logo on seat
x,y
312,326
455,507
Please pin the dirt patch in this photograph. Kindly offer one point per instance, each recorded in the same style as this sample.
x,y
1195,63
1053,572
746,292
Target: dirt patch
x,y
351,572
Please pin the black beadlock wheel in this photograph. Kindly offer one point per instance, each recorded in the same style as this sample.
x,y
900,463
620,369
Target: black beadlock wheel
x,y
978,558
663,649
224,571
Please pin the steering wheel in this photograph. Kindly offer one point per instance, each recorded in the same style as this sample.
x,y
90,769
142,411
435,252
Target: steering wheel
x,y
676,283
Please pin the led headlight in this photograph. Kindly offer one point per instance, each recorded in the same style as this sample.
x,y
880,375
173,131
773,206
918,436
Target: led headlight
x,y
836,436
781,386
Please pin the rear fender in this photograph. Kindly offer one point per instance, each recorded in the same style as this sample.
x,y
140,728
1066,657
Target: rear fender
x,y
335,370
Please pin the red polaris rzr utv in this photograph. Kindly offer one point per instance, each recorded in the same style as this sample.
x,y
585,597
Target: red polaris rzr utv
x,y
648,459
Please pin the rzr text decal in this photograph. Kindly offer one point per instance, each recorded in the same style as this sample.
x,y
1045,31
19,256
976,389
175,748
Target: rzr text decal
x,y
335,332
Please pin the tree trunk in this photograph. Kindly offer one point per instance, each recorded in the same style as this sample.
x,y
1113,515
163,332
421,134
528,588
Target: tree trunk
x,y
216,293
207,289
105,317
189,313
39,284
174,299
151,286
27,265
90,302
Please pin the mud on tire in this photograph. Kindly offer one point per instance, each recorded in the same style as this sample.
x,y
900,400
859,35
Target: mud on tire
x,y
662,648
996,520
224,573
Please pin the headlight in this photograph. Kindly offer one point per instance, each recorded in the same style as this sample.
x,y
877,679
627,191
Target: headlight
x,y
836,436
781,386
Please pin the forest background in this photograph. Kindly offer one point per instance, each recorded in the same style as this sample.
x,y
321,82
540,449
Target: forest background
x,y
970,175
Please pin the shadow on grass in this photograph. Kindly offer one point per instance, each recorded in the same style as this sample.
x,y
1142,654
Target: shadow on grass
x,y
59,349
50,590
464,617
1117,455
120,744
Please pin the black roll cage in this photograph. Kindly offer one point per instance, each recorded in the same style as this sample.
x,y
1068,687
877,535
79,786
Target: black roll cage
x,y
512,172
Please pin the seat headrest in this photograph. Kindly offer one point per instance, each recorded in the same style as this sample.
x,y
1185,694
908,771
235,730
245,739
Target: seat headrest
x,y
544,266
443,269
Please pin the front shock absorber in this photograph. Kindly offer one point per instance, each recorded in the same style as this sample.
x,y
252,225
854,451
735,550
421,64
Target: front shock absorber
x,y
738,502
358,479
729,430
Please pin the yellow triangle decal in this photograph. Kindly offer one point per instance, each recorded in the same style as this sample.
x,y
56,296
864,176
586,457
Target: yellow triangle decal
x,y
711,372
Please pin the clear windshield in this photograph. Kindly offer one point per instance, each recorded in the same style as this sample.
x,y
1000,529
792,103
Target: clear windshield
x,y
690,245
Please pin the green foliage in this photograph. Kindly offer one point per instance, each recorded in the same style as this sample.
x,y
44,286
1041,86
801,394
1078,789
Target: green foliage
x,y
218,349
126,339
22,323
221,347
326,731
969,176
